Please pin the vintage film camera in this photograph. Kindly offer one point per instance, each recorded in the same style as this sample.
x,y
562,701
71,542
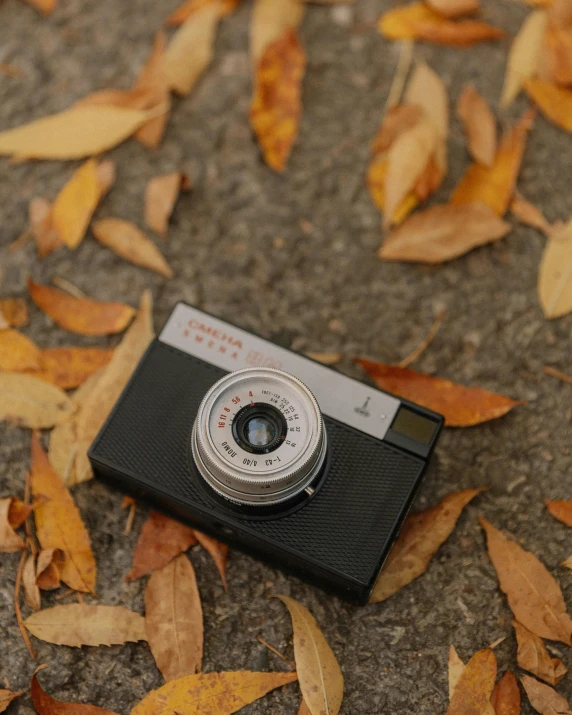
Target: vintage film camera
x,y
268,450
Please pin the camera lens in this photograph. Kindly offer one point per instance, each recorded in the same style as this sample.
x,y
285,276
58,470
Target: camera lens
x,y
258,437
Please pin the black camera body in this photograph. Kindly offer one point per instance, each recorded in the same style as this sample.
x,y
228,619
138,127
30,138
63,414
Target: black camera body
x,y
333,517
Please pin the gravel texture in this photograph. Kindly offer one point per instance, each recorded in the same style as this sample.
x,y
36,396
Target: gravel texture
x,y
292,257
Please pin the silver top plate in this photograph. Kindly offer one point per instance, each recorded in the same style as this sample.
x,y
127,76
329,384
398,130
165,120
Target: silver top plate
x,y
229,348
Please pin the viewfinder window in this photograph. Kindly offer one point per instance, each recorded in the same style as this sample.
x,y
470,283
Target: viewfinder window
x,y
412,425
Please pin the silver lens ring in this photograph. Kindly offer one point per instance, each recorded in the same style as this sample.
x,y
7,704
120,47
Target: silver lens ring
x,y
259,437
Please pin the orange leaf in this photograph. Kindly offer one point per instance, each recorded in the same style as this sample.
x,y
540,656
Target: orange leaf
x,y
553,101
543,698
506,695
161,194
454,8
153,83
9,539
48,569
68,368
19,512
479,124
419,540
562,510
218,551
14,311
6,697
276,104
46,705
461,406
270,21
18,353
533,656
184,11
59,524
81,315
472,693
74,205
533,594
558,53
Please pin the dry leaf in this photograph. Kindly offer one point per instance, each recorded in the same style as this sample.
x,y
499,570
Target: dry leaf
x,y
31,590
398,119
18,353
42,227
98,402
562,510
69,368
174,619
420,537
418,21
80,315
29,402
553,101
454,8
73,134
161,194
321,680
211,693
495,185
50,562
74,205
456,668
533,656
125,239
473,691
533,594
161,539
555,274
461,406
6,697
44,6
506,695
10,542
543,698
19,512
79,624
442,233
217,550
326,358
153,83
46,705
524,55
14,311
59,524
530,215
270,21
568,563
479,124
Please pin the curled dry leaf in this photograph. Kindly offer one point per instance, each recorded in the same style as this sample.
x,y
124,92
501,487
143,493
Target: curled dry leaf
x,y
211,693
461,406
14,311
161,194
18,353
29,402
46,705
543,698
73,134
59,524
31,590
530,215
270,21
6,697
420,537
533,656
218,552
473,691
74,205
174,619
69,368
555,274
50,561
129,242
479,124
19,512
524,55
442,233
456,668
533,594
553,101
10,542
506,695
454,8
79,624
561,510
42,227
81,315
161,539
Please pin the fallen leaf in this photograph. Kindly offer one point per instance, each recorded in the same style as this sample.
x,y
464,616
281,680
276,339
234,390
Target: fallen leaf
x,y
442,233
562,510
31,590
74,205
46,705
50,562
376,175
461,406
211,693
557,49
73,134
10,542
79,624
568,563
161,194
418,21
495,185
184,11
70,367
454,8
125,239
6,697
18,353
530,215
42,227
174,619
326,358
80,315
555,274
161,539
217,550
533,656
29,402
543,698
106,175
46,7
553,101
154,83
419,540
59,524
473,692
14,311
398,119
19,512
524,55
456,668
506,695
533,594
270,22
321,679
479,124
304,709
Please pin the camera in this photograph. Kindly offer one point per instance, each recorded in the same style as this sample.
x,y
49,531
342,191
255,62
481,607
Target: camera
x,y
268,450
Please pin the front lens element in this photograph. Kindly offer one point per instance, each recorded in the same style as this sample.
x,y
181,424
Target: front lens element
x,y
260,432
259,428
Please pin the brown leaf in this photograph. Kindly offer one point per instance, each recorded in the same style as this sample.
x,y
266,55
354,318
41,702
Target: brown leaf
x,y
79,624
555,274
29,402
42,227
31,590
270,21
211,693
524,55
454,8
125,239
14,311
276,103
321,679
161,194
543,698
533,656
479,124
304,709
473,692
6,697
46,705
19,512
18,353
553,101
74,205
506,695
562,510
456,668
69,368
174,619
161,539
530,215
218,551
59,524
80,315
419,540
442,233
462,406
50,562
10,542
533,594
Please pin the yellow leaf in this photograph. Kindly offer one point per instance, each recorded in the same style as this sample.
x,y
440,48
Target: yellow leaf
x,y
524,55
376,182
14,311
326,358
480,125
533,656
68,368
543,698
29,402
473,691
553,101
454,8
270,21
75,204
18,353
555,274
161,194
456,668
321,679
